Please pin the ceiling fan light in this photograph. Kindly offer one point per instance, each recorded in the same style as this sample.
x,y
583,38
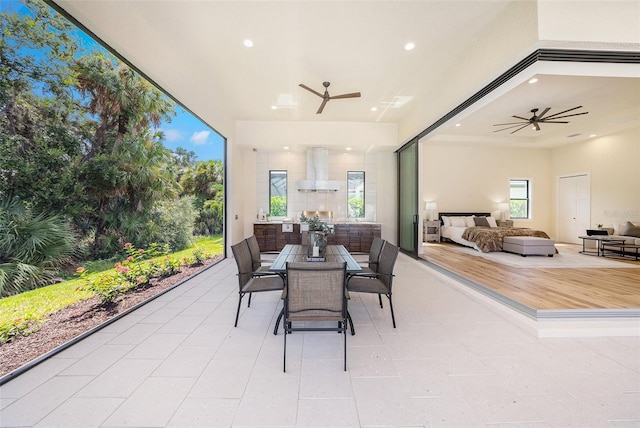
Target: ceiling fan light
x,y
409,46
248,43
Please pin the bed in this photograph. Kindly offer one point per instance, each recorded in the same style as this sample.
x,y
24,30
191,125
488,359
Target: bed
x,y
480,231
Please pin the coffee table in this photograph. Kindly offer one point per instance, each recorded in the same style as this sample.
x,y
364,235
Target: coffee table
x,y
600,241
623,246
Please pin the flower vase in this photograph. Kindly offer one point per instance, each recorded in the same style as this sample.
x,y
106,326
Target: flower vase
x,y
317,244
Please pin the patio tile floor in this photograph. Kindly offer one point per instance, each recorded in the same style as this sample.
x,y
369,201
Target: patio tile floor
x,y
454,360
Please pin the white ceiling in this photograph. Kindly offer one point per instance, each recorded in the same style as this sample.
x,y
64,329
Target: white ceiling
x,y
194,50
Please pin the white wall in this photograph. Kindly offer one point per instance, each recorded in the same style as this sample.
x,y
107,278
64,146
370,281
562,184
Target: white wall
x,y
467,178
476,179
613,163
378,162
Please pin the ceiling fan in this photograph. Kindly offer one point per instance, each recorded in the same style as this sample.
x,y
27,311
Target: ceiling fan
x,y
326,97
537,120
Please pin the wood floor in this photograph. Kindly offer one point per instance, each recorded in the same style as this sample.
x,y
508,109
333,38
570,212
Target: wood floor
x,y
544,288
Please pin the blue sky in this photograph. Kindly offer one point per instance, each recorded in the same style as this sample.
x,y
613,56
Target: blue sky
x,y
184,130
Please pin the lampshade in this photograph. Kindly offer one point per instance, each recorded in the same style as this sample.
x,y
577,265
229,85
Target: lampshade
x,y
431,206
503,206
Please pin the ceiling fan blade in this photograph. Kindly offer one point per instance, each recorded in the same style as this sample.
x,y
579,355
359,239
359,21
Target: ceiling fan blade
x,y
510,127
511,123
521,118
560,117
551,121
522,127
544,112
302,85
562,112
536,125
324,103
351,95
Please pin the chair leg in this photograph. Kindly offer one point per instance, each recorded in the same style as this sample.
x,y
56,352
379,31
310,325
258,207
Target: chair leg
x,y
238,311
284,359
344,333
249,304
393,318
353,331
380,299
275,329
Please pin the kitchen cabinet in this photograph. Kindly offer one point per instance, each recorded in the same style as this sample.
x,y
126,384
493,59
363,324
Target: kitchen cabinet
x,y
356,238
266,236
271,237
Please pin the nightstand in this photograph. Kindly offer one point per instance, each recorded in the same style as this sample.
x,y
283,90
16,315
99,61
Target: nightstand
x,y
431,230
504,223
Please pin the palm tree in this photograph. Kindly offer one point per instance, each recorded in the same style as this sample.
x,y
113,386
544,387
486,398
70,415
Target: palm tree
x,y
32,248
120,98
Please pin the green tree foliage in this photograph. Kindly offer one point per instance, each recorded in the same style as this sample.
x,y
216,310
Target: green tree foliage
x,y
76,139
32,247
205,182
278,206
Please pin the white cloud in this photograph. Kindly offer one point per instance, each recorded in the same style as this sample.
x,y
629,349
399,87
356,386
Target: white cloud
x,y
173,135
199,138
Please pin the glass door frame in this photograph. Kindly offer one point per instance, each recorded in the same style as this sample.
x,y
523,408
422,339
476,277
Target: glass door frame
x,y
409,222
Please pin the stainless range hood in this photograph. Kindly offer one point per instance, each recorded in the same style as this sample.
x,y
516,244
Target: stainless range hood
x,y
318,172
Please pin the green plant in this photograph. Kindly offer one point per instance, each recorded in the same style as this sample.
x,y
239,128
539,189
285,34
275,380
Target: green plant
x,y
32,247
315,224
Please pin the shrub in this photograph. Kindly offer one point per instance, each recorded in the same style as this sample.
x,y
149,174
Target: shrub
x,y
172,224
32,248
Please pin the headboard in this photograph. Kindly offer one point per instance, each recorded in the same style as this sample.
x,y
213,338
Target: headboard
x,y
461,215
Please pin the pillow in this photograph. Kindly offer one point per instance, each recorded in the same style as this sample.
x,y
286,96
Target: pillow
x,y
469,221
481,221
632,230
446,221
620,229
492,222
458,221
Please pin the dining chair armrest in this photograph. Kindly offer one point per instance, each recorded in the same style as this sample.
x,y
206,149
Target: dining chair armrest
x,y
258,274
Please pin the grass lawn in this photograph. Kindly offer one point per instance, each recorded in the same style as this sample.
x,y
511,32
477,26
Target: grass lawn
x,y
20,314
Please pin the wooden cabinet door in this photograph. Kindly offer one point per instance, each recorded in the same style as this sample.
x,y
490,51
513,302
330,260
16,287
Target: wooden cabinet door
x,y
354,238
341,235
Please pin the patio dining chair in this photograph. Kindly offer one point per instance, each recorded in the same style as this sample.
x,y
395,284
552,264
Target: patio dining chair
x,y
250,281
380,282
315,293
259,264
374,257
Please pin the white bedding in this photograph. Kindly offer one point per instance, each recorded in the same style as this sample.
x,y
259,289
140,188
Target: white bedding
x,y
454,233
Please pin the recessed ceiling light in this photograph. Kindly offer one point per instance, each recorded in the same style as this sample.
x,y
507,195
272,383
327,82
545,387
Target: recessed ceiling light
x,y
348,148
248,43
533,80
458,125
374,108
592,135
285,147
409,46
274,107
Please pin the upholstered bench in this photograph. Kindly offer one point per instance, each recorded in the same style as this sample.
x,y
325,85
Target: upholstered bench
x,y
529,245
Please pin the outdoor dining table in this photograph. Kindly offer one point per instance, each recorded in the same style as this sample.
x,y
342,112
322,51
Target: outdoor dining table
x,y
299,253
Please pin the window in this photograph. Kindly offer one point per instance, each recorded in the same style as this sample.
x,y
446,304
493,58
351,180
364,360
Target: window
x,y
278,193
355,194
519,199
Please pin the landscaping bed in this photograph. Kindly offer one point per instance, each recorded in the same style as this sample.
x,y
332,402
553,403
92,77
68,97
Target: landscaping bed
x,y
74,320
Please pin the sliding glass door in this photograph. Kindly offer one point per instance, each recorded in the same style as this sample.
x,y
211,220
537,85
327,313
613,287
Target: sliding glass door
x,y
408,216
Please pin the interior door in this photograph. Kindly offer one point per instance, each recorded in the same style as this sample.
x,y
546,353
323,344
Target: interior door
x,y
408,216
574,202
